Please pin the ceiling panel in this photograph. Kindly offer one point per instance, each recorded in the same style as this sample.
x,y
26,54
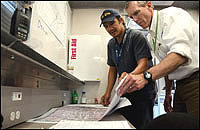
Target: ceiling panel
x,y
187,4
96,4
121,4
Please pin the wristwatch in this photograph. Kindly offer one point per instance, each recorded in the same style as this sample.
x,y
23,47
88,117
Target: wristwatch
x,y
148,76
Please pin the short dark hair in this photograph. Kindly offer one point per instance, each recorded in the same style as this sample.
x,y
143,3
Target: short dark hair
x,y
118,18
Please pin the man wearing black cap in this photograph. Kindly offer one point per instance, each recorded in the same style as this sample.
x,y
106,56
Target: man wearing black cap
x,y
128,52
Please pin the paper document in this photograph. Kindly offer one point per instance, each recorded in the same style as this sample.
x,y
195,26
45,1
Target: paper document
x,y
116,102
77,112
83,112
120,83
65,124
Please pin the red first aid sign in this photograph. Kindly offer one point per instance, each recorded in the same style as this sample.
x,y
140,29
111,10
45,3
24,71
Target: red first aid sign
x,y
73,48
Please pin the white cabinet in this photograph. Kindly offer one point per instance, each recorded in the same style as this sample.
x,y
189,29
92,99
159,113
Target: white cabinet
x,y
48,31
85,60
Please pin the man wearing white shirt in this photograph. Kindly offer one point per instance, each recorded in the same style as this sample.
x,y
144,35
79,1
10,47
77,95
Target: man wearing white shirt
x,y
175,43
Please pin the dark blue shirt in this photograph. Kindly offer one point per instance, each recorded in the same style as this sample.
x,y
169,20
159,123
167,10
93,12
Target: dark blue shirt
x,y
134,47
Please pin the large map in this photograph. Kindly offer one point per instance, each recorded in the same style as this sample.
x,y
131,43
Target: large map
x,y
81,112
74,112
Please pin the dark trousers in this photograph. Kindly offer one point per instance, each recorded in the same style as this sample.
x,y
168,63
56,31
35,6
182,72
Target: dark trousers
x,y
140,113
186,97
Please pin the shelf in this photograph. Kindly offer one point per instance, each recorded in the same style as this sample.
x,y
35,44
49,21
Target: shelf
x,y
10,43
92,80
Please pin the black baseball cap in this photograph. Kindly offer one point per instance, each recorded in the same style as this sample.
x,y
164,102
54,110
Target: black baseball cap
x,y
109,15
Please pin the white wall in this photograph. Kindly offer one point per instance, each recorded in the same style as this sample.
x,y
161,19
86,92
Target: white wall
x,y
46,36
87,21
69,19
194,14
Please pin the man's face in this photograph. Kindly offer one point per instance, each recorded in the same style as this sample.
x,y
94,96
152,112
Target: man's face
x,y
141,15
114,28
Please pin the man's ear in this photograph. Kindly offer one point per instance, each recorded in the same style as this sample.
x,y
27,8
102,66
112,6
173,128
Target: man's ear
x,y
149,4
121,20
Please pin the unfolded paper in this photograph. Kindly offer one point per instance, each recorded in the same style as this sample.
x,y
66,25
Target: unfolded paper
x,y
81,112
66,124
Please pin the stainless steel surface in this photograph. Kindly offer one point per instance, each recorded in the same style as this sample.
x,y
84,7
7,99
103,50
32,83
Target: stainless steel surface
x,y
21,71
14,47
42,83
41,88
34,103
7,11
27,125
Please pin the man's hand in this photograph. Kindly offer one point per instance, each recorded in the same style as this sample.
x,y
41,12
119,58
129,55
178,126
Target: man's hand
x,y
167,103
105,99
122,76
132,83
168,97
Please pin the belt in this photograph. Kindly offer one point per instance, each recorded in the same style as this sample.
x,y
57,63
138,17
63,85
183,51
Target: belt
x,y
194,75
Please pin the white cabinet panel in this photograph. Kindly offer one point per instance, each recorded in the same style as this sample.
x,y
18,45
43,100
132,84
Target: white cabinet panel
x,y
45,32
85,57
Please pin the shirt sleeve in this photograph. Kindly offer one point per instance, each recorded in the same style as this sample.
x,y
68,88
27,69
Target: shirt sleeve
x,y
141,47
177,34
109,53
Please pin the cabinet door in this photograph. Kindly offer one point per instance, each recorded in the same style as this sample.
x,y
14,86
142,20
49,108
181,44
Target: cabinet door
x,y
46,29
85,57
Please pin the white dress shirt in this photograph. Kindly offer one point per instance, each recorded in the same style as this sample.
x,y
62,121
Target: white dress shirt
x,y
178,33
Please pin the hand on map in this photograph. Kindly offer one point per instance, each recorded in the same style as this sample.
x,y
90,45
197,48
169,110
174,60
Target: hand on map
x,y
105,99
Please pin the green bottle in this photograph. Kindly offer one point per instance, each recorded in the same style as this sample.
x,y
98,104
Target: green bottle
x,y
74,97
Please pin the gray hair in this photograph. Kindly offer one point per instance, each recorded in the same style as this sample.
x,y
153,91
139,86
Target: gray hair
x,y
140,3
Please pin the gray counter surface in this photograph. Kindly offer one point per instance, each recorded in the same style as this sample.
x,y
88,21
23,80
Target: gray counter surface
x,y
29,125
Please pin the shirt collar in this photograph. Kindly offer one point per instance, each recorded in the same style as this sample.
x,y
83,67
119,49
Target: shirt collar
x,y
122,38
153,22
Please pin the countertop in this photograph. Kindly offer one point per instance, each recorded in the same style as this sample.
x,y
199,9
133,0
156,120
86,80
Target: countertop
x,y
29,125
